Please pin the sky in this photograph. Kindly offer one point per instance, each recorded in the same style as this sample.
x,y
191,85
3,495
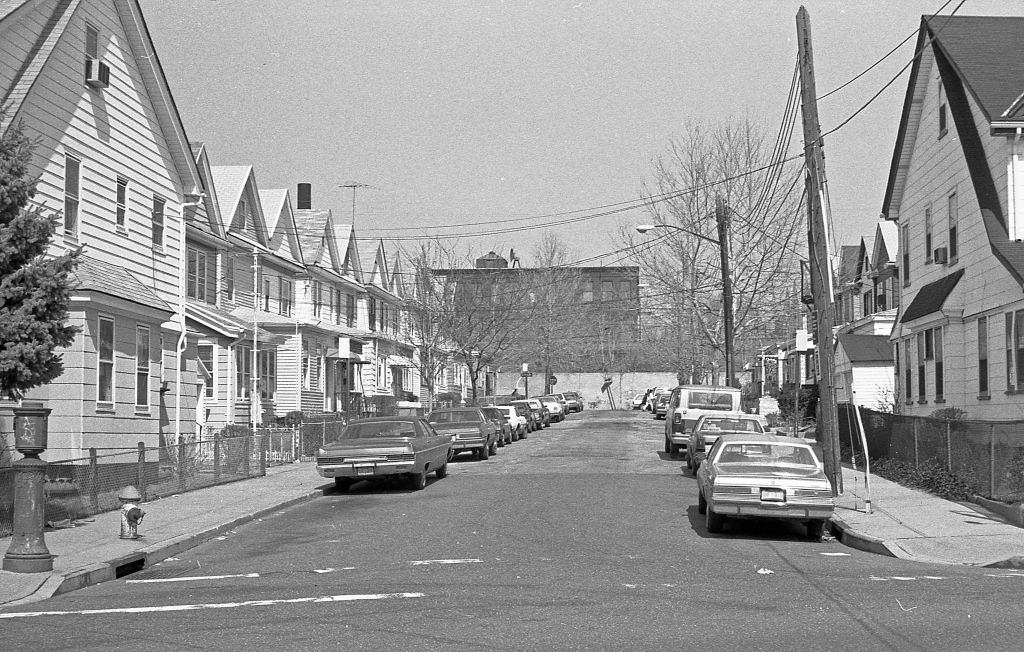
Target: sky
x,y
491,115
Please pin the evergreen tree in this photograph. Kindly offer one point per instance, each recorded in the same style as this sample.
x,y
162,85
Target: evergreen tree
x,y
34,288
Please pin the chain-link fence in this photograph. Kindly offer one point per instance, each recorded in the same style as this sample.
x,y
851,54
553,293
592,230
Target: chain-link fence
x,y
987,455
314,434
79,487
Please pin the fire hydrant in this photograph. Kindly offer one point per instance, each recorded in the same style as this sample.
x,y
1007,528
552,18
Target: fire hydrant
x,y
131,513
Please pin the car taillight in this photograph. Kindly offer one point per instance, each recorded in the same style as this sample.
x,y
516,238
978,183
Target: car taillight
x,y
678,418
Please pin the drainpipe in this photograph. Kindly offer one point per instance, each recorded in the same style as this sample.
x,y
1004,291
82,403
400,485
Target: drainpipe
x,y
1012,188
182,337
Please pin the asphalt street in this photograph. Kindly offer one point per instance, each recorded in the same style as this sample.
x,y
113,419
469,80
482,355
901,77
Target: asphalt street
x,y
583,536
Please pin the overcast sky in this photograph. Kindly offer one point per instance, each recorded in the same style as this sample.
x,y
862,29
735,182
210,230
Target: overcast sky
x,y
469,112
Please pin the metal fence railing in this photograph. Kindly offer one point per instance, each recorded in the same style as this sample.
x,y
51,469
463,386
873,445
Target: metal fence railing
x,y
79,487
987,455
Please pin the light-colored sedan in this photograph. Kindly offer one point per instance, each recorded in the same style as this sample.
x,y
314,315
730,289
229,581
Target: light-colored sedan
x,y
516,420
554,407
708,429
764,476
381,447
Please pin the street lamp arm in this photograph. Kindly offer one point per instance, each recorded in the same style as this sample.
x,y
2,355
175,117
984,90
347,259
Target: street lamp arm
x,y
644,228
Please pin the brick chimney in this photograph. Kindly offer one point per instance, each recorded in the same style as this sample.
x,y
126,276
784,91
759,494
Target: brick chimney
x,y
304,197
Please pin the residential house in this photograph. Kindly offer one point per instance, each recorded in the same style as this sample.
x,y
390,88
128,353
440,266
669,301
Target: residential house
x,y
83,80
329,308
392,375
954,190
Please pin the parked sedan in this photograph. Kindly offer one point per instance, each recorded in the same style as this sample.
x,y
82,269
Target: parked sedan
x,y
573,401
501,422
472,429
709,428
381,447
536,409
660,404
764,476
516,419
554,407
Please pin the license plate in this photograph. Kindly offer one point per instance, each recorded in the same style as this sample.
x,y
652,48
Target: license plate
x,y
364,470
775,495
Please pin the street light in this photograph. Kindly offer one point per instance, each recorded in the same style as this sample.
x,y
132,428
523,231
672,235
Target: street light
x,y
722,219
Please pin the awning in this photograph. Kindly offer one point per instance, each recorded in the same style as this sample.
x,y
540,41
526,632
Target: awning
x,y
223,323
931,297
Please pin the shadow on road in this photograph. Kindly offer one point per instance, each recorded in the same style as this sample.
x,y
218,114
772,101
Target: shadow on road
x,y
762,529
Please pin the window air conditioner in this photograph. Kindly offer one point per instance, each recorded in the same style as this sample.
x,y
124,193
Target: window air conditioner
x,y
97,73
940,256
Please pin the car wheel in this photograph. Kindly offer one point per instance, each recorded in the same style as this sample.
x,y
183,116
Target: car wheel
x,y
342,484
702,505
441,471
689,463
522,435
494,447
674,453
713,521
668,446
815,529
418,481
515,435
483,453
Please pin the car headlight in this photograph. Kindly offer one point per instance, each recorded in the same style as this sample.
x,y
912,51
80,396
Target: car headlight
x,y
320,452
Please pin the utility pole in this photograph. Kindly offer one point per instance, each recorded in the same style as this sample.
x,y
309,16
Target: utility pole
x,y
821,275
722,219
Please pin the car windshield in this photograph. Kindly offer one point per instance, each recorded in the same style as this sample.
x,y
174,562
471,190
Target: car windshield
x,y
732,425
454,416
710,401
765,454
378,429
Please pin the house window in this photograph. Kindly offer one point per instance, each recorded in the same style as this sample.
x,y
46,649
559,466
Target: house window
x,y
197,274
373,313
983,356
317,298
318,374
305,365
121,203
158,222
268,374
105,368
1018,332
866,304
142,366
1011,376
72,179
229,277
953,218
942,111
908,372
204,353
284,301
928,234
920,369
937,350
350,310
92,42
243,370
266,294
929,344
905,248
336,293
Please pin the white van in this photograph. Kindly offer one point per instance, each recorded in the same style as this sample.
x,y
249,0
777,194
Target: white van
x,y
687,403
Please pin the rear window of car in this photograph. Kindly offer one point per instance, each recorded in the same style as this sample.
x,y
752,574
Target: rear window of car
x,y
766,455
710,401
378,429
453,416
733,425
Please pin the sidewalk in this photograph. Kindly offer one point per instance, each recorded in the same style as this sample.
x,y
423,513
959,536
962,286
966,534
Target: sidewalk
x,y
918,526
93,552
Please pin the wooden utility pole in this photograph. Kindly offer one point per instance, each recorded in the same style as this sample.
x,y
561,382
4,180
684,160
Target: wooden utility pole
x,y
821,274
722,220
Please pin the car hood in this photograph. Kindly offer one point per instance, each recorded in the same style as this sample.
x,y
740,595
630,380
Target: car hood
x,y
731,471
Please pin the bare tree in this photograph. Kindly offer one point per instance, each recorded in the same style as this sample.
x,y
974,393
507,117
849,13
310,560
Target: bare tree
x,y
682,265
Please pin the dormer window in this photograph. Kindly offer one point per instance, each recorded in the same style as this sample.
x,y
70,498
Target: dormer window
x,y
97,73
942,111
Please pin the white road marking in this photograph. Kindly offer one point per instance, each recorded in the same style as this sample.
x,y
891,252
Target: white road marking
x,y
331,570
1004,574
834,554
901,578
427,562
211,605
190,579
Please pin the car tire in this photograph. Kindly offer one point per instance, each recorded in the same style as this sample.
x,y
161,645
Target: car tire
x,y
674,453
713,521
689,464
522,435
702,505
815,529
418,481
668,447
483,453
342,484
441,471
494,447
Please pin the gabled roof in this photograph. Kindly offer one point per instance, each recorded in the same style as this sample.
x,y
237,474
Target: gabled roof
x,y
284,238
348,251
931,297
235,183
379,275
316,238
129,15
886,243
849,261
214,223
865,348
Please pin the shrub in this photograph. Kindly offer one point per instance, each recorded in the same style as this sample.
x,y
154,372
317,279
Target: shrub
x,y
930,476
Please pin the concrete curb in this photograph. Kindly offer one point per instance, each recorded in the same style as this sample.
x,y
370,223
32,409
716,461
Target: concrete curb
x,y
142,558
1011,513
854,539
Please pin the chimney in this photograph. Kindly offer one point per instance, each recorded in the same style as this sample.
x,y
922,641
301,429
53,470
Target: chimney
x,y
304,199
